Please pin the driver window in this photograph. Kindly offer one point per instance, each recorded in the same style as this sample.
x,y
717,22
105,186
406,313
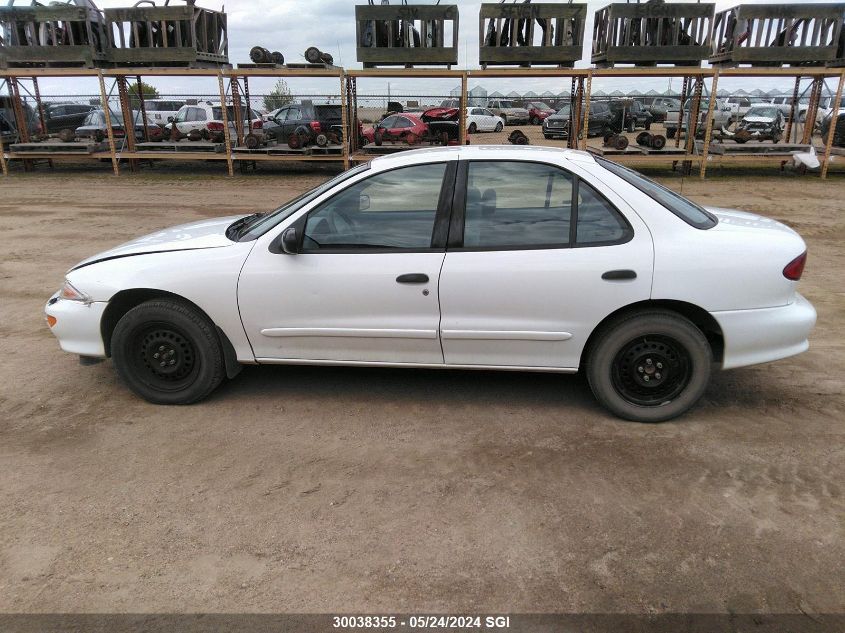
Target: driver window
x,y
294,114
182,115
391,210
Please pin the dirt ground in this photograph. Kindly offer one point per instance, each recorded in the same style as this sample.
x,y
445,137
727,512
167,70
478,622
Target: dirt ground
x,y
329,489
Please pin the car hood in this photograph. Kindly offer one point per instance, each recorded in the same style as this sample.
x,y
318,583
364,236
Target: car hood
x,y
203,234
758,119
734,220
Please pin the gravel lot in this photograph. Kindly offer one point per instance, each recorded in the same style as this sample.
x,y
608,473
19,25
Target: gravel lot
x,y
323,489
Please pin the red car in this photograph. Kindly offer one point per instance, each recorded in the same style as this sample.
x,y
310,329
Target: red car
x,y
538,111
397,127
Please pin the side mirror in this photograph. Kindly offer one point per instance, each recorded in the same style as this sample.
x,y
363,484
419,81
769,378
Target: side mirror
x,y
290,241
171,119
363,202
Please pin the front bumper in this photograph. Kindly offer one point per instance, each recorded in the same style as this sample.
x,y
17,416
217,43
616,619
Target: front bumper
x,y
77,325
766,334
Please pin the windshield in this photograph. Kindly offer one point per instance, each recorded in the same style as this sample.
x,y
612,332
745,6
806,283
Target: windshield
x,y
763,112
267,222
685,209
564,110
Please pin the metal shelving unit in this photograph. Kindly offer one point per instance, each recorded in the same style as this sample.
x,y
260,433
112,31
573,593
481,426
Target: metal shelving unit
x,y
581,93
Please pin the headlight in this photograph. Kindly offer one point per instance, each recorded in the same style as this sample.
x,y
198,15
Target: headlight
x,y
70,293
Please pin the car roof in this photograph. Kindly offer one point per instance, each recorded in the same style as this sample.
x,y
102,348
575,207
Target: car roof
x,y
480,152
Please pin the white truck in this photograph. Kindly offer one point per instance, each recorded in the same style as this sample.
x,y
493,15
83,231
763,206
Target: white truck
x,y
722,116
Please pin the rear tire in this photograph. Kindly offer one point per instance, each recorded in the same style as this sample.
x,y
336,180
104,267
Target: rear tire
x,y
535,121
499,126
167,353
473,128
650,366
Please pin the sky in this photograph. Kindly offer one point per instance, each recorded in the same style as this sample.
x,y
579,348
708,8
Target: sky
x,y
291,26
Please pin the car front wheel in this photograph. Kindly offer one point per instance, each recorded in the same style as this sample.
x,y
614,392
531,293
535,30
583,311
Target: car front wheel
x,y
650,366
499,126
167,352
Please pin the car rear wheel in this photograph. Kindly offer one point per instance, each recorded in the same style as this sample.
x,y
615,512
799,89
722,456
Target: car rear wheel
x,y
167,353
473,128
499,126
649,366
535,121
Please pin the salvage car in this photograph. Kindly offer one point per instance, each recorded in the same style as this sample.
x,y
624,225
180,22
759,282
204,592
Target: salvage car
x,y
538,112
468,257
659,106
722,117
306,119
207,118
839,130
628,115
600,119
510,112
94,126
482,120
406,127
760,123
64,116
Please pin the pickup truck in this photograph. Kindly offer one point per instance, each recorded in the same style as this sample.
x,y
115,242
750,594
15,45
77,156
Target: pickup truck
x,y
722,116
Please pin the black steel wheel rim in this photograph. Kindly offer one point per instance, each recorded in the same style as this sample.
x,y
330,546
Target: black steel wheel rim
x,y
651,370
164,357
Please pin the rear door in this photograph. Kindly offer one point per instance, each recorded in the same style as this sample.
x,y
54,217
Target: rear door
x,y
537,257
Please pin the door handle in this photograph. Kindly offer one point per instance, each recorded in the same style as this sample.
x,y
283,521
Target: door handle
x,y
412,278
619,275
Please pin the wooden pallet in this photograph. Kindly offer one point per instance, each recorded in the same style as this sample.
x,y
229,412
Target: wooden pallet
x,y
181,146
75,147
753,148
307,66
666,151
283,149
631,150
267,66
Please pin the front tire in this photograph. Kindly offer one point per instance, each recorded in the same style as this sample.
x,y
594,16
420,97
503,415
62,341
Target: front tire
x,y
473,128
535,121
499,126
649,366
167,352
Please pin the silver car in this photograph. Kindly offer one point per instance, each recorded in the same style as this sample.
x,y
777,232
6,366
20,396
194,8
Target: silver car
x,y
511,113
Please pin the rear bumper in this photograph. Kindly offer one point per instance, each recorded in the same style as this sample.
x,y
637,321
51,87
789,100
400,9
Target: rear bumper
x,y
766,334
77,325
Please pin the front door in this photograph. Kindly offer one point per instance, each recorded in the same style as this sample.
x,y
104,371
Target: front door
x,y
364,286
522,283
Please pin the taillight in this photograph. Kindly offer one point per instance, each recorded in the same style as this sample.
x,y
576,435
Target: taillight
x,y
258,124
315,126
794,269
214,126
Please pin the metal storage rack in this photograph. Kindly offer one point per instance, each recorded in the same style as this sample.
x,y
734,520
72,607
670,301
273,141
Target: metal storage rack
x,y
800,34
581,93
385,35
183,35
55,35
649,34
506,34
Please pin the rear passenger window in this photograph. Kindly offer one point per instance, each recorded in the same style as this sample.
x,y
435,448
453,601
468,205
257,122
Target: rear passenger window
x,y
512,205
517,204
598,222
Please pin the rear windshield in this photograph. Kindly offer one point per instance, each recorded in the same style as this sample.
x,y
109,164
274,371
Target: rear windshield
x,y
328,111
217,113
685,209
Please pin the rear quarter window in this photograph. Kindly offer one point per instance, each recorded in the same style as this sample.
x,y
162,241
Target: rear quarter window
x,y
685,209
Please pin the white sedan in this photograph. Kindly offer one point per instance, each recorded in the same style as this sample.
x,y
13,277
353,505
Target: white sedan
x,y
481,257
482,120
